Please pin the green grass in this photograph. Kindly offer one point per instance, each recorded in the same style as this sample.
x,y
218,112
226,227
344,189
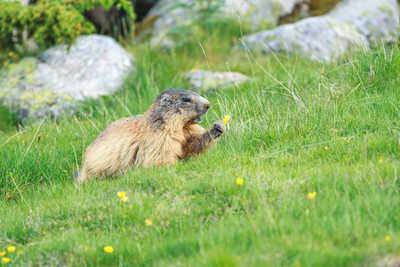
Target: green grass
x,y
7,119
296,127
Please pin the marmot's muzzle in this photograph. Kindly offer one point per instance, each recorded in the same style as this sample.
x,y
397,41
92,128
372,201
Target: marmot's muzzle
x,y
202,105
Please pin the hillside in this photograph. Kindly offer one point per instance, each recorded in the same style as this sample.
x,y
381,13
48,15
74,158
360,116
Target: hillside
x,y
296,127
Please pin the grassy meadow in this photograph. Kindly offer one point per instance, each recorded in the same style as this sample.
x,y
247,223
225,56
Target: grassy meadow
x,y
296,127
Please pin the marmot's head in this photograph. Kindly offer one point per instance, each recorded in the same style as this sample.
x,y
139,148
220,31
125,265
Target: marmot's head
x,y
177,104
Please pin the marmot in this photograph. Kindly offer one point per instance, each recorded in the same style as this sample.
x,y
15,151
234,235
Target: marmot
x,y
167,132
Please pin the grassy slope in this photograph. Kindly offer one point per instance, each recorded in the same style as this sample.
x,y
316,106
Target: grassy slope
x,y
297,127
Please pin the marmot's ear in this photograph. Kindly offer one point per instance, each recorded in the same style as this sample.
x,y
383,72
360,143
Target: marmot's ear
x,y
165,98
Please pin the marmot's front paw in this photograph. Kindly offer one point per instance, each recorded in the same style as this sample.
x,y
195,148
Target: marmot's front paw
x,y
218,129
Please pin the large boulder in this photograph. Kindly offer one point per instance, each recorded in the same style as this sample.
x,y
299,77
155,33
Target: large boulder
x,y
376,20
350,25
255,14
54,82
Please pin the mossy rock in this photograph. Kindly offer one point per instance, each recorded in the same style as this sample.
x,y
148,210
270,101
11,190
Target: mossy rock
x,y
21,94
53,84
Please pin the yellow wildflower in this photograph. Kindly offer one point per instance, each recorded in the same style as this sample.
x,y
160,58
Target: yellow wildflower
x,y
11,249
239,181
148,222
380,159
108,249
311,195
5,260
387,238
226,119
2,253
121,194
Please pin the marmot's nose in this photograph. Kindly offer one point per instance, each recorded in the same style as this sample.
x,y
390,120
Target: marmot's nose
x,y
202,105
206,106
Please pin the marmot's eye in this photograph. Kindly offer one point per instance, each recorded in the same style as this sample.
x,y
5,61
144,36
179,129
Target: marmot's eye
x,y
186,99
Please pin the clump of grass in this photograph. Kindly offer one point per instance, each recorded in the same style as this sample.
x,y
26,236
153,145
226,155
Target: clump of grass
x,y
7,119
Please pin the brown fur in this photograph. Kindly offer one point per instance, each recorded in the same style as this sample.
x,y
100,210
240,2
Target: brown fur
x,y
149,140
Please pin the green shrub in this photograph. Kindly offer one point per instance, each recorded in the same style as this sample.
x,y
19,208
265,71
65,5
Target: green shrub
x,y
50,22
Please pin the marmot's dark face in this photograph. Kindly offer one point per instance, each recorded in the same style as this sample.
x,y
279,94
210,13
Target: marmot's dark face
x,y
185,104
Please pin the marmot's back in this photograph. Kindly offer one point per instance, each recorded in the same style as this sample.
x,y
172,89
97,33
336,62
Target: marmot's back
x,y
113,149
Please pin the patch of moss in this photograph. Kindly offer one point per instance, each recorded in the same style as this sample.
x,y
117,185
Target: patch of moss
x,y
18,92
277,8
42,99
267,24
386,9
16,73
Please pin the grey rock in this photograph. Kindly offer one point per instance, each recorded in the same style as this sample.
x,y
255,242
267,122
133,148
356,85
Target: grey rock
x,y
321,39
256,14
351,25
206,80
376,20
389,261
53,83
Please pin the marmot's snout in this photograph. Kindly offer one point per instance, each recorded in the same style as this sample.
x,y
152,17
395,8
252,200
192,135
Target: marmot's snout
x,y
202,105
190,105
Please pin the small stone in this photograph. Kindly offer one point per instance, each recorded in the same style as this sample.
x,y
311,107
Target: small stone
x,y
206,80
389,261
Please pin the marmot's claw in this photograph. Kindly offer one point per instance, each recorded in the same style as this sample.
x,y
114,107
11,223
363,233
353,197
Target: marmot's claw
x,y
218,129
